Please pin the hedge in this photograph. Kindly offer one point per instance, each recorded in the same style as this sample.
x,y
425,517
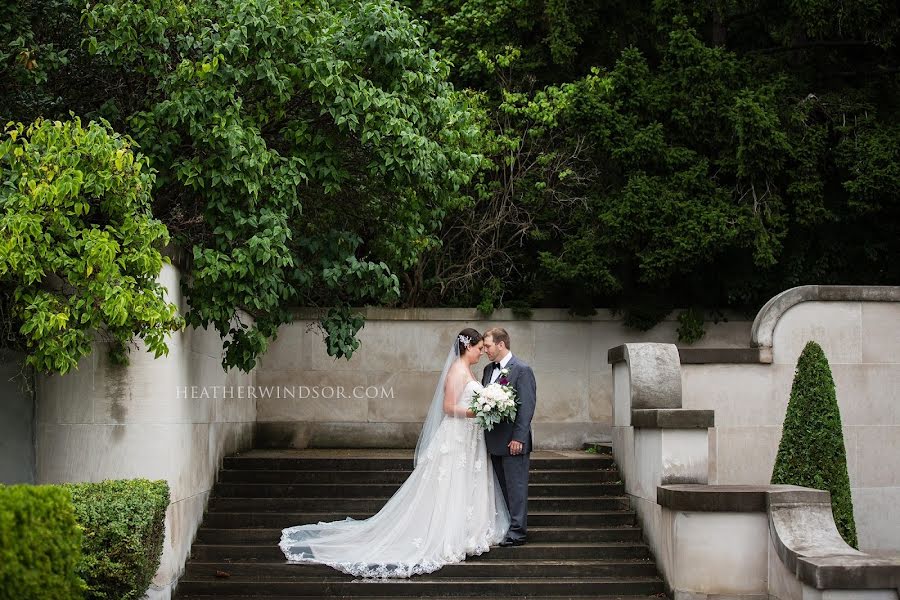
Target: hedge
x,y
124,522
40,544
811,452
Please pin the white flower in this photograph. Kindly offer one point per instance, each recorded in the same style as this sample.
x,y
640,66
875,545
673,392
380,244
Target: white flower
x,y
493,404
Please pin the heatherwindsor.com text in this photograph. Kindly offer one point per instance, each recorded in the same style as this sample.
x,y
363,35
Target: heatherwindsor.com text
x,y
196,392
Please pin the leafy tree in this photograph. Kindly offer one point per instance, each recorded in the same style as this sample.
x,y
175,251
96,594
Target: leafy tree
x,y
555,40
722,151
811,452
79,250
305,149
305,152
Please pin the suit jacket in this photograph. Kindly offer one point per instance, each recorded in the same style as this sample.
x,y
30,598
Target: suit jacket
x,y
521,377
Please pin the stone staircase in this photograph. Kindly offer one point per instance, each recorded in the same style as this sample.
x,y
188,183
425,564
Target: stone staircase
x,y
583,541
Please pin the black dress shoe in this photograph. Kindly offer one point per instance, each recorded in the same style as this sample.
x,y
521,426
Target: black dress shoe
x,y
507,543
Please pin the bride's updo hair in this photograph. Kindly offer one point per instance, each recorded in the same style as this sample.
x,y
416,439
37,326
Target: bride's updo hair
x,y
473,336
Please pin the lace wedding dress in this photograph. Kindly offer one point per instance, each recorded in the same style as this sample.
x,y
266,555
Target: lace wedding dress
x,y
449,507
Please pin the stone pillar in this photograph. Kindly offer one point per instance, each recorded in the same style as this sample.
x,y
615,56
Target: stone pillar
x,y
655,441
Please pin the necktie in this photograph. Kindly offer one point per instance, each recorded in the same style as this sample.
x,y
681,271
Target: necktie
x,y
496,365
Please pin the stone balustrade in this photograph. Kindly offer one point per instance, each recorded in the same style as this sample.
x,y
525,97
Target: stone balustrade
x,y
716,542
773,542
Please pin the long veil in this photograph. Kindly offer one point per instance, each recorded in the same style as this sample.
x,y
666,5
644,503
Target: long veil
x,y
436,410
451,506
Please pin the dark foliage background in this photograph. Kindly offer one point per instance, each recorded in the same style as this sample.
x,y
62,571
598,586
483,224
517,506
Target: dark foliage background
x,y
639,155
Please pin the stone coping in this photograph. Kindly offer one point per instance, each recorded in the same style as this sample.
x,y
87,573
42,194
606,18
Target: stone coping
x,y
802,530
376,313
616,354
672,418
699,356
763,328
733,498
764,325
846,572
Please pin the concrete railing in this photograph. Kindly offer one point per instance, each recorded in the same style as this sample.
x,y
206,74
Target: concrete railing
x,y
723,541
778,542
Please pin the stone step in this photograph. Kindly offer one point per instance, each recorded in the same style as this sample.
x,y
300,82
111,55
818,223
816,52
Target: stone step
x,y
351,476
467,569
285,519
531,550
583,539
360,462
209,535
373,505
421,586
659,596
379,490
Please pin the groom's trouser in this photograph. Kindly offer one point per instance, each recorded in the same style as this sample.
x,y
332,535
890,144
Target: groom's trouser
x,y
512,473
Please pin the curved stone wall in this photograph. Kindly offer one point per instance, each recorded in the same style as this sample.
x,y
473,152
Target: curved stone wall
x,y
859,329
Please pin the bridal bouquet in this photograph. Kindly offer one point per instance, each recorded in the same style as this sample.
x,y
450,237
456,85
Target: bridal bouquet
x,y
495,403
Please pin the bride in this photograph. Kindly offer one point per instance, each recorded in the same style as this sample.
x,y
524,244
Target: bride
x,y
450,506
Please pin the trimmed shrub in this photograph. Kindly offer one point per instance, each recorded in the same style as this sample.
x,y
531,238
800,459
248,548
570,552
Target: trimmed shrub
x,y
124,528
811,452
40,544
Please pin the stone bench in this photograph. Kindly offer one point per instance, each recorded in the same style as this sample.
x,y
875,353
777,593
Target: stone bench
x,y
765,541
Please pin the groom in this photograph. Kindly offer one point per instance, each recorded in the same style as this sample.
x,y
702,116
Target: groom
x,y
510,443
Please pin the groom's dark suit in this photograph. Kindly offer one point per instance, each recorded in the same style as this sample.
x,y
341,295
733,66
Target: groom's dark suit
x,y
512,470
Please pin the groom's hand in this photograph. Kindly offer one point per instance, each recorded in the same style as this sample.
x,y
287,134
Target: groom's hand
x,y
515,447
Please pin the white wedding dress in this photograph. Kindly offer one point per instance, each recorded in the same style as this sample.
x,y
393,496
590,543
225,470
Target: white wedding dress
x,y
451,506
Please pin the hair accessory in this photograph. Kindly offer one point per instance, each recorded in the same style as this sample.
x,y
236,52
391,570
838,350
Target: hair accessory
x,y
466,340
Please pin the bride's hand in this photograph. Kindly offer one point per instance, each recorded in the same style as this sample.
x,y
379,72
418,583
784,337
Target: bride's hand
x,y
470,414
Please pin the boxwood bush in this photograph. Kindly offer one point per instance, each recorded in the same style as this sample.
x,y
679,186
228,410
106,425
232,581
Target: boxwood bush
x,y
124,528
40,544
811,452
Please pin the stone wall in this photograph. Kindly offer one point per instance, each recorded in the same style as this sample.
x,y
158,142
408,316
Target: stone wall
x,y
403,351
145,421
107,422
861,338
16,420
